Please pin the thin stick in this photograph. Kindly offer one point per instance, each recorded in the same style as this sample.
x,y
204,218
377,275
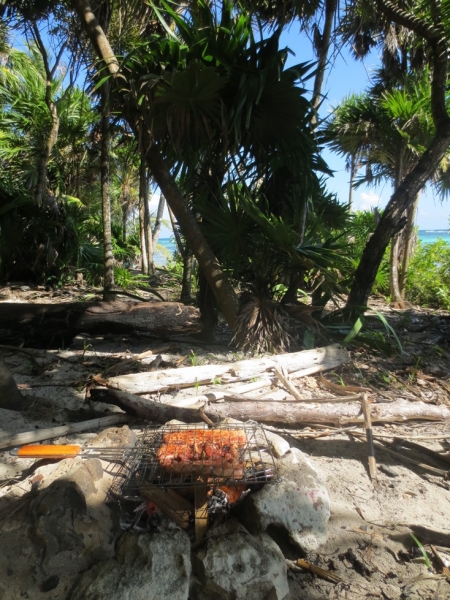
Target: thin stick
x,y
287,384
204,418
28,437
412,437
422,449
303,564
369,436
404,458
27,353
445,564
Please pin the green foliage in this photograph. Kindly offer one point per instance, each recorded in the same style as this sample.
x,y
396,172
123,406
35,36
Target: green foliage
x,y
428,282
126,280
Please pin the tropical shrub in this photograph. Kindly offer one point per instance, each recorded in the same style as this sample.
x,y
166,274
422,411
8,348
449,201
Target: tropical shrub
x,y
428,282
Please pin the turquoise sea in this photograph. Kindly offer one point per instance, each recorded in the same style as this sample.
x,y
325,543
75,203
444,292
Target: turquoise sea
x,y
426,236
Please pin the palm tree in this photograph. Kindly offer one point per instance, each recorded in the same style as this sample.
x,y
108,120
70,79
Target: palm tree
x,y
428,24
386,133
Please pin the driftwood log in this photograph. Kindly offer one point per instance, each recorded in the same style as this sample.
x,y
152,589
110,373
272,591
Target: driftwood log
x,y
44,323
300,363
291,413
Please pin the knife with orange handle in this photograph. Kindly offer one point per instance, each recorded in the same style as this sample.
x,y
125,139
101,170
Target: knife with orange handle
x,y
65,451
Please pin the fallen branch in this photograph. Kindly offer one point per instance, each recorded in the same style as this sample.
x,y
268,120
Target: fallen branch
x,y
27,437
272,412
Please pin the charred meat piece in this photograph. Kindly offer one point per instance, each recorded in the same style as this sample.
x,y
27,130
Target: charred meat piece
x,y
204,452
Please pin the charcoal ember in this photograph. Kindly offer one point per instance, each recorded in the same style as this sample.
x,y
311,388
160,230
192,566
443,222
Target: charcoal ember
x,y
218,506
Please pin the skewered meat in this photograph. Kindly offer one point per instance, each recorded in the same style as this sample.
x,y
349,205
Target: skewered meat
x,y
204,452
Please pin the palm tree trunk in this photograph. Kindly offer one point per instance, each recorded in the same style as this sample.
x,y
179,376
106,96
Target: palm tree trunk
x,y
408,244
41,185
158,221
126,203
108,282
176,233
147,226
144,257
216,278
322,52
52,136
186,285
352,180
394,271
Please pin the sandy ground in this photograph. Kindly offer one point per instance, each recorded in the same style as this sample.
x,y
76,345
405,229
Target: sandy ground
x,y
370,546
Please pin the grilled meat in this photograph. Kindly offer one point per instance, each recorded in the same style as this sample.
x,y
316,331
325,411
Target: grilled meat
x,y
204,452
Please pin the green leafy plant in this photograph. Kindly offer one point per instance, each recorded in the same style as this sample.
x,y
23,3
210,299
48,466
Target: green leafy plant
x,y
428,281
423,551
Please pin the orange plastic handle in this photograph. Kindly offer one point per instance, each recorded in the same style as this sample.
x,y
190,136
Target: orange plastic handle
x,y
48,451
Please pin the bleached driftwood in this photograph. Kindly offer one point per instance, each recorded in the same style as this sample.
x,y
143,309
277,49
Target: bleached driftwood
x,y
274,412
319,359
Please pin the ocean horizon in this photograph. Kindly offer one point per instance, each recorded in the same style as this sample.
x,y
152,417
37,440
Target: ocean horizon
x,y
426,236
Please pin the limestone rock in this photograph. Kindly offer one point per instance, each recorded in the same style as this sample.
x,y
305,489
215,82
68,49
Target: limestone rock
x,y
232,564
69,519
299,503
146,567
114,437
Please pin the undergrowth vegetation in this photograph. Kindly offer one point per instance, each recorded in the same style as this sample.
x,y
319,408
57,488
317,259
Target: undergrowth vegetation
x,y
428,281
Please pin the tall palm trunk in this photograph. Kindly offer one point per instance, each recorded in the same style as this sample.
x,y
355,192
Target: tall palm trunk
x,y
147,225
143,209
217,280
394,270
108,282
52,135
408,244
158,220
394,258
322,50
144,257
126,205
186,284
176,233
352,181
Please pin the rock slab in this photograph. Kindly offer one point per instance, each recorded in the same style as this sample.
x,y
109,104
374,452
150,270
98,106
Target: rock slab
x,y
146,567
232,564
299,503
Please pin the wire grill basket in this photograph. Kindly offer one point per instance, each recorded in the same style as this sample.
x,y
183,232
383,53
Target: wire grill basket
x,y
184,456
